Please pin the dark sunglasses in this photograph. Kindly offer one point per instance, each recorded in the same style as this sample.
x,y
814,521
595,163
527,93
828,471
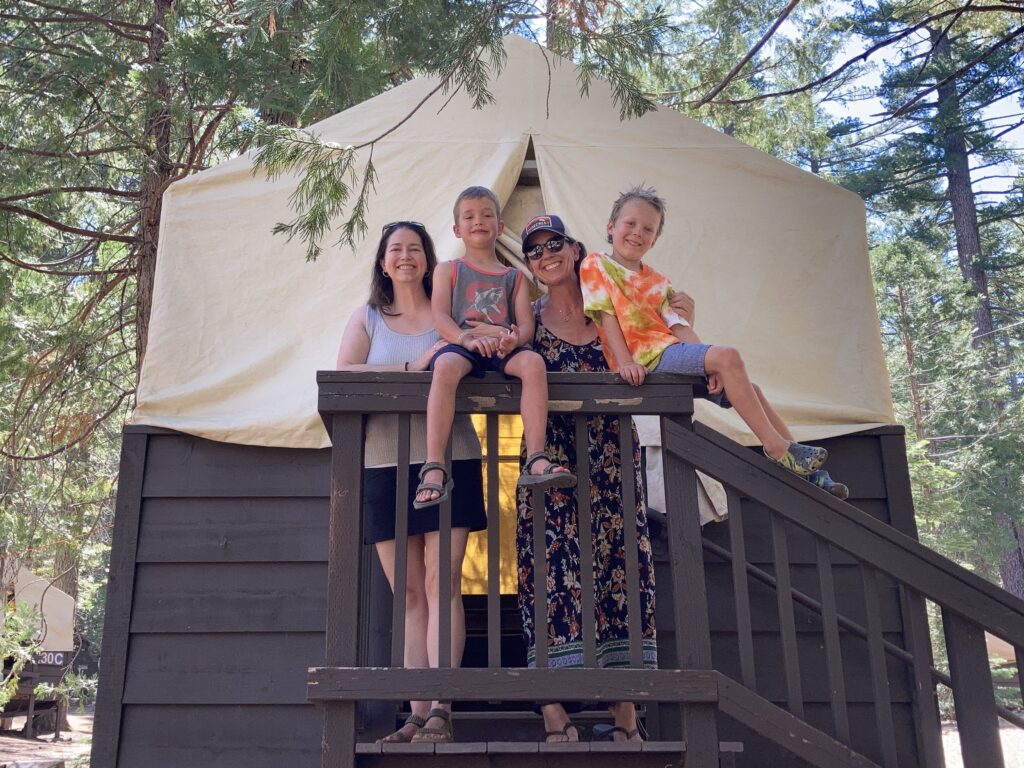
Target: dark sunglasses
x,y
554,245
394,224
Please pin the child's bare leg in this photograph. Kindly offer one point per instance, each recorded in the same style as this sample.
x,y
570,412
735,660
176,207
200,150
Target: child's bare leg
x,y
727,363
449,369
772,414
529,368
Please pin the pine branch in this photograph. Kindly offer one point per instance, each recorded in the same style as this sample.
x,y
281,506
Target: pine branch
x,y
64,155
70,190
61,227
87,16
867,53
965,68
71,443
749,54
42,268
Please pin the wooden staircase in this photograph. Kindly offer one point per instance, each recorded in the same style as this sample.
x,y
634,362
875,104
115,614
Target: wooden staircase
x,y
703,697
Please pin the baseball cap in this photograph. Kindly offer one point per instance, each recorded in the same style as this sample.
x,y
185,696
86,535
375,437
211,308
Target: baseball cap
x,y
544,223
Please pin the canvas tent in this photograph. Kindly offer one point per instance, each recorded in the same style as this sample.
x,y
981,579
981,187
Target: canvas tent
x,y
775,257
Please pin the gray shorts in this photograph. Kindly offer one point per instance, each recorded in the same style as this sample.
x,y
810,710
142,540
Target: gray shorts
x,y
687,359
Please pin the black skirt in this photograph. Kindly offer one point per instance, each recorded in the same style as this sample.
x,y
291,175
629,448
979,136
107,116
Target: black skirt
x,y
379,501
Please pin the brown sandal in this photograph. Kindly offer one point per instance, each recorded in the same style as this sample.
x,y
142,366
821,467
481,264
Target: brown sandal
x,y
440,734
398,737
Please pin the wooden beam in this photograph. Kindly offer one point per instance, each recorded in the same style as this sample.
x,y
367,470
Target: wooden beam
x,y
345,545
787,620
513,684
741,589
900,498
342,392
973,694
789,732
693,635
120,588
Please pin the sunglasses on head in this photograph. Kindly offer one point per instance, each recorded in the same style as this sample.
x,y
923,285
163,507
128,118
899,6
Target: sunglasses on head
x,y
554,245
394,224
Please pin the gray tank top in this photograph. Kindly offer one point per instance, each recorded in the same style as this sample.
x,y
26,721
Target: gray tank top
x,y
388,347
485,296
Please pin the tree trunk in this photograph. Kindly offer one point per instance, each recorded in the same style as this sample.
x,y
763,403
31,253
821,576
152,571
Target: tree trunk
x,y
1011,562
908,349
65,568
969,256
961,195
157,173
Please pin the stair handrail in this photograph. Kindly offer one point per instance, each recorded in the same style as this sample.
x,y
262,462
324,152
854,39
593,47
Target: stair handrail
x,y
847,528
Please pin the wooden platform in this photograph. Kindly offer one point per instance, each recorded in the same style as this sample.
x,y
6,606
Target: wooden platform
x,y
527,754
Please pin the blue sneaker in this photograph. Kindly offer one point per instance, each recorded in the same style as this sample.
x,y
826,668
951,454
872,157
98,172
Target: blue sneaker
x,y
821,479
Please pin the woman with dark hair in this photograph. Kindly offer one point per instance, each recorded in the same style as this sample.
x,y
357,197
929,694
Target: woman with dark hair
x,y
394,331
568,342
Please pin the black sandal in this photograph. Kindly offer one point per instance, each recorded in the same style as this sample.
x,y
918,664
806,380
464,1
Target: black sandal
x,y
549,478
564,732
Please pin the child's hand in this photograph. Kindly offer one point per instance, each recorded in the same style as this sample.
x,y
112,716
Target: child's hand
x,y
633,373
684,304
509,341
715,384
482,345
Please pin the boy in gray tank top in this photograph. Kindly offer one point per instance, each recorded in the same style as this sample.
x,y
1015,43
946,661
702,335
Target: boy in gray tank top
x,y
479,289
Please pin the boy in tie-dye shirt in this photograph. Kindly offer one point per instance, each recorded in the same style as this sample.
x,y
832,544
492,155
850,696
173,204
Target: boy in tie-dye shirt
x,y
639,331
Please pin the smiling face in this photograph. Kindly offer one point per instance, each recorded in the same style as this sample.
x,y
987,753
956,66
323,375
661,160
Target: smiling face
x,y
404,258
477,223
554,268
634,232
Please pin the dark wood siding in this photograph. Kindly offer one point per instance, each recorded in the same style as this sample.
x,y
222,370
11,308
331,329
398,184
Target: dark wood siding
x,y
228,607
218,597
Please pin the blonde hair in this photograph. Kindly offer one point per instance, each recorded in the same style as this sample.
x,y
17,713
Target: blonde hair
x,y
475,193
647,195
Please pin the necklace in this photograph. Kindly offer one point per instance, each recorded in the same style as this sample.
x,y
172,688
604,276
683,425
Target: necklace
x,y
567,314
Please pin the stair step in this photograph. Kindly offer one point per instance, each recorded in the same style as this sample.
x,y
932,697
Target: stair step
x,y
531,747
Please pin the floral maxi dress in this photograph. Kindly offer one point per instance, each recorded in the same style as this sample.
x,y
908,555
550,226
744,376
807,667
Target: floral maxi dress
x,y
564,584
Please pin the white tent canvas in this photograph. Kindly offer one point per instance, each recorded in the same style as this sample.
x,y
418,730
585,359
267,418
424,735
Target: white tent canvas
x,y
775,257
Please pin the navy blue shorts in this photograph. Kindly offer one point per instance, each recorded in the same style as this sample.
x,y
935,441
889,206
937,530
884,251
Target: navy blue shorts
x,y
481,364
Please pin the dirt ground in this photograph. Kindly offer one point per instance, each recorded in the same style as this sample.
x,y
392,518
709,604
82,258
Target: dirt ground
x,y
73,748
1013,745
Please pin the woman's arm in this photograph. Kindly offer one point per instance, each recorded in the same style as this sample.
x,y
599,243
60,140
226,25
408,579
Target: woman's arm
x,y
355,348
355,343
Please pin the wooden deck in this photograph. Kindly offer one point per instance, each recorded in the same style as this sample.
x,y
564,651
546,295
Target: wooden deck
x,y
814,617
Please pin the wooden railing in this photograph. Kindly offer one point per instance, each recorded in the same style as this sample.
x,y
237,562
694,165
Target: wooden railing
x,y
969,605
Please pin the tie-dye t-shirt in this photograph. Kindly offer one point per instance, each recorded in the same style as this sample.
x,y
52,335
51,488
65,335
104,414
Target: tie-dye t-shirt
x,y
639,301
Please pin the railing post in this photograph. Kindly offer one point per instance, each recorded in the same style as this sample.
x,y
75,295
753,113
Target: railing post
x,y
693,635
344,587
973,696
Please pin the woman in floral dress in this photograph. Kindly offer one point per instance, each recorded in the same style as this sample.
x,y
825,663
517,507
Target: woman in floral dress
x,y
568,342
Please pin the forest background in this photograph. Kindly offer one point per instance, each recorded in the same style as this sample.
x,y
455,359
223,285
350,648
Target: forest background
x,y
916,105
